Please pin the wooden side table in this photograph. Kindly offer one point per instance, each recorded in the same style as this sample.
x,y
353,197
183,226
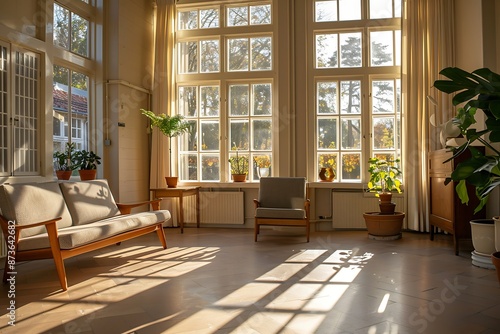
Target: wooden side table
x,y
180,193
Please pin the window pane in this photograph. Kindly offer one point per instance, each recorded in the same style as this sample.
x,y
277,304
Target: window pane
x,y
261,53
327,98
260,14
262,99
238,54
188,57
350,97
327,134
380,9
188,167
209,101
79,35
209,135
397,48
61,27
351,133
326,51
328,160
325,11
350,50
383,132
188,20
351,166
238,97
188,142
381,48
187,103
239,134
209,18
262,134
210,170
383,96
209,54
350,10
237,16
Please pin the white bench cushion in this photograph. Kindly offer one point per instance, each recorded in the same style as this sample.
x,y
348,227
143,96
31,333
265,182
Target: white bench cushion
x,y
74,236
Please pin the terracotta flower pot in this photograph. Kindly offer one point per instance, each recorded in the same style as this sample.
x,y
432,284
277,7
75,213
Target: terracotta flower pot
x,y
171,181
239,177
383,226
87,174
63,174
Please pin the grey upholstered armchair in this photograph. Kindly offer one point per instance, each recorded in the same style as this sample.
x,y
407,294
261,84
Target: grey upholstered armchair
x,y
282,202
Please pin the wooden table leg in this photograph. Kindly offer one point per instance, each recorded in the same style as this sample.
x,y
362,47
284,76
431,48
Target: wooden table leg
x,y
197,208
181,214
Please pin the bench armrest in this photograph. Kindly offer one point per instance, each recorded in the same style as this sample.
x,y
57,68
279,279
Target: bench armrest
x,y
126,208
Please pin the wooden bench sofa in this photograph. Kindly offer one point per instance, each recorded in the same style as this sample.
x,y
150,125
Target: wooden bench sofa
x,y
60,220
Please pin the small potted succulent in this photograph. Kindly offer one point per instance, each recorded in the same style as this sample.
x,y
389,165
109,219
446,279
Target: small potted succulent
x,y
87,162
239,167
384,179
64,162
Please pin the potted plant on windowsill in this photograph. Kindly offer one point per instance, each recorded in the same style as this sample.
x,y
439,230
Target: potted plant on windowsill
x,y
239,167
64,162
87,162
384,179
262,165
170,126
476,91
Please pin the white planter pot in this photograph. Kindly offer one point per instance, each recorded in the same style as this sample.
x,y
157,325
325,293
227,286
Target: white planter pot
x,y
483,236
497,233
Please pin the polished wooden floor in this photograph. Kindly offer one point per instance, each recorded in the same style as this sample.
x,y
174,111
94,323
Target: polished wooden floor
x,y
220,281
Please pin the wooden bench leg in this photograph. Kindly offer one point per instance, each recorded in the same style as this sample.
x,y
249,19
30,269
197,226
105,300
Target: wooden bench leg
x,y
56,254
161,235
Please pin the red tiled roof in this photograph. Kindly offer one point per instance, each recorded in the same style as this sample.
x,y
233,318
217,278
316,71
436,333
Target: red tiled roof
x,y
79,103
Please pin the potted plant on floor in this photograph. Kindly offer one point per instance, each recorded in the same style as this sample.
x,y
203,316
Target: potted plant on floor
x,y
64,162
384,179
170,126
239,167
87,162
477,91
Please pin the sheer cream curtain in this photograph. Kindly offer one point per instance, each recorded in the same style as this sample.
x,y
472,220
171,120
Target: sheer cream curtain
x,y
428,47
163,87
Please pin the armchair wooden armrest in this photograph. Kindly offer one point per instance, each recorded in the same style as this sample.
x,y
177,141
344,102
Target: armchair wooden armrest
x,y
126,208
257,203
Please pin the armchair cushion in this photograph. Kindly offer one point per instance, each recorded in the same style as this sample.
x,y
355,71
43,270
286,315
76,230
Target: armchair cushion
x,y
28,203
282,192
89,201
280,213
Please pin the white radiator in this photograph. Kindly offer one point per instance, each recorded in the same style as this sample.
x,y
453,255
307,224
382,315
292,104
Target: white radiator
x,y
348,207
216,207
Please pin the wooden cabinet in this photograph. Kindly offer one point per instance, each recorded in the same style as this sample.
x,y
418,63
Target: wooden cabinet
x,y
446,210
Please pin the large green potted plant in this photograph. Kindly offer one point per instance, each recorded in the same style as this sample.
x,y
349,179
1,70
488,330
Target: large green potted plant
x,y
384,180
87,162
64,162
477,90
170,126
